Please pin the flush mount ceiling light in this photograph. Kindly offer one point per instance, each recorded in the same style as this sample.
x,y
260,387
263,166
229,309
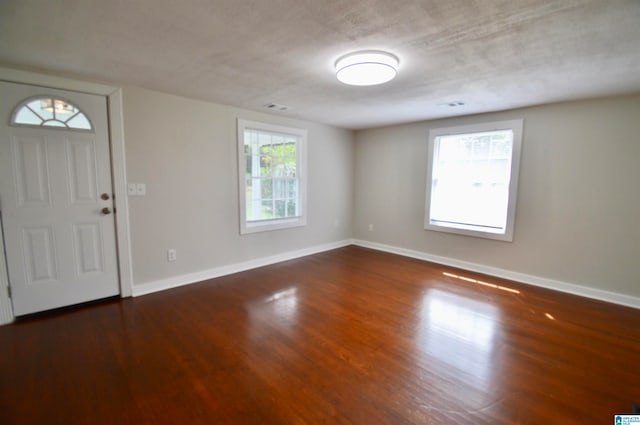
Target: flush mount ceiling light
x,y
366,68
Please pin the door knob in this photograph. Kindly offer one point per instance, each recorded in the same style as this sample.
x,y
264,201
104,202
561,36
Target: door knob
x,y
106,211
104,196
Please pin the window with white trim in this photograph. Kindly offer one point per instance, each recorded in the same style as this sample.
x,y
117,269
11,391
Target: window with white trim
x,y
272,168
472,179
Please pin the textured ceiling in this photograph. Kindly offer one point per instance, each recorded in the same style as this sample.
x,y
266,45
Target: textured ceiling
x,y
489,54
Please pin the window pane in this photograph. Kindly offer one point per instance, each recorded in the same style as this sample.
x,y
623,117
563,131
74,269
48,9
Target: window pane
x,y
26,116
269,165
266,189
51,112
248,159
292,188
278,167
279,189
291,208
53,123
279,209
470,180
290,159
42,108
80,122
266,165
266,211
249,208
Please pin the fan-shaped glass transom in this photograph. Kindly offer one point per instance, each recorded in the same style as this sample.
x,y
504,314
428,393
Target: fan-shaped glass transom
x,y
46,111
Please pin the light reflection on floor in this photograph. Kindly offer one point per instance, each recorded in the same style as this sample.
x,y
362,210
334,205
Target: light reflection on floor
x,y
282,304
461,332
277,311
480,282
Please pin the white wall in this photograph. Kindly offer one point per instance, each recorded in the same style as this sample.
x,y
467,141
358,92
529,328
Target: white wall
x,y
185,151
578,210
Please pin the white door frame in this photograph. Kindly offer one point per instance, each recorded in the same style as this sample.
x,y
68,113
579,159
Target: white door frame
x,y
118,170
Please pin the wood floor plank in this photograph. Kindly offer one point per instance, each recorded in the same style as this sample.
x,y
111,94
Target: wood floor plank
x,y
350,336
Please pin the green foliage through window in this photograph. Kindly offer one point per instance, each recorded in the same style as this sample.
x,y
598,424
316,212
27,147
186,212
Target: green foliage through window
x,y
272,183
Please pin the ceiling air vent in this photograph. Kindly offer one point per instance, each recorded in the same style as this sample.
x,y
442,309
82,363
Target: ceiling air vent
x,y
454,104
276,107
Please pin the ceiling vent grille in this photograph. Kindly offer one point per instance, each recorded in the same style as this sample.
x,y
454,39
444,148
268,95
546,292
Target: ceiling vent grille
x,y
276,107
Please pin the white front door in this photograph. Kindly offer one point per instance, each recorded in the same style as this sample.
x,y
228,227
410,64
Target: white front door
x,y
56,198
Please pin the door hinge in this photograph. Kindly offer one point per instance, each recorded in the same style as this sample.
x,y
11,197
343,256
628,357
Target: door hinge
x,y
9,291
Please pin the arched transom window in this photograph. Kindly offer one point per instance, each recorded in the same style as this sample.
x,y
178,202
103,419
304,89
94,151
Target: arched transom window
x,y
49,111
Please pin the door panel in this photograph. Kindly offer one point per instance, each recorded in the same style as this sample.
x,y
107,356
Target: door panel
x,y
32,174
60,247
39,255
88,248
81,158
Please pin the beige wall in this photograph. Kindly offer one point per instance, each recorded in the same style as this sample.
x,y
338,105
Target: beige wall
x,y
578,212
578,209
185,151
577,218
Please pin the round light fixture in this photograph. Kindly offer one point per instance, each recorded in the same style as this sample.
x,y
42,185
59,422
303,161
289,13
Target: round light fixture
x,y
366,68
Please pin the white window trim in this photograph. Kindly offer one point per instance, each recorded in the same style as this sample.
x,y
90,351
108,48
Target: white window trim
x,y
517,127
281,223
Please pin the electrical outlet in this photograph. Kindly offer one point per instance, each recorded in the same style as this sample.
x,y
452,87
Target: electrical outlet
x,y
136,189
172,255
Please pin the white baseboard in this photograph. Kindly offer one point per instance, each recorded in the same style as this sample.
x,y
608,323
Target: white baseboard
x,y
583,291
174,282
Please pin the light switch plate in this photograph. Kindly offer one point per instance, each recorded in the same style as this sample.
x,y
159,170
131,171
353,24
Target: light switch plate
x,y
136,189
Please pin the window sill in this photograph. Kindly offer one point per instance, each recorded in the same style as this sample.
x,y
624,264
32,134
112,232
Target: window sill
x,y
270,225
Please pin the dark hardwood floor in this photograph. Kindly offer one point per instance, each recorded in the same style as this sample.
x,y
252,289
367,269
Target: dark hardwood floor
x,y
350,336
